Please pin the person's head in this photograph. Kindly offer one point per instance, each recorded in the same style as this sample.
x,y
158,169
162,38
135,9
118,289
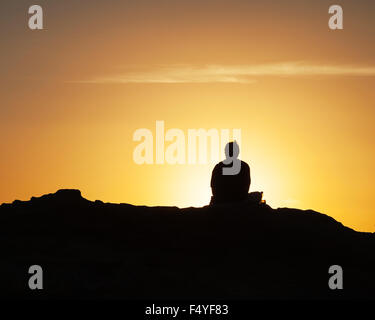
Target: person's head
x,y
232,150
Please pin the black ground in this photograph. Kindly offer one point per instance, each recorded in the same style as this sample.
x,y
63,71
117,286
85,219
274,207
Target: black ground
x,y
98,250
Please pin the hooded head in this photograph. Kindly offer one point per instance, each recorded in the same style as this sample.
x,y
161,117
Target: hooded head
x,y
232,150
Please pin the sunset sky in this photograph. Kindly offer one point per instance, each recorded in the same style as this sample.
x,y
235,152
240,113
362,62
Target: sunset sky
x,y
303,96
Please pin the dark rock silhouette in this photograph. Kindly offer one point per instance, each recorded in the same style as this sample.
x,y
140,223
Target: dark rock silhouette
x,y
236,251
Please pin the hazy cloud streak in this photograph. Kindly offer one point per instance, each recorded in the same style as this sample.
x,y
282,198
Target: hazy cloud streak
x,y
232,74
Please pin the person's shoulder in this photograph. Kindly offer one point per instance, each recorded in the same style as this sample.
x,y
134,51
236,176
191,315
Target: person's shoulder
x,y
245,165
219,165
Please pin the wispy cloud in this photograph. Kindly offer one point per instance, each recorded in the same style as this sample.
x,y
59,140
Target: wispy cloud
x,y
231,73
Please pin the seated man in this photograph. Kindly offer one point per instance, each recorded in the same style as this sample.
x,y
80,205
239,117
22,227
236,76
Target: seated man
x,y
230,179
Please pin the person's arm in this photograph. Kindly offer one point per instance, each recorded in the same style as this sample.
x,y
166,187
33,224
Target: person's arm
x,y
247,178
214,177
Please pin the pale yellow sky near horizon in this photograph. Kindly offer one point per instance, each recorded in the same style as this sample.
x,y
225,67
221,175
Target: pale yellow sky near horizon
x,y
74,93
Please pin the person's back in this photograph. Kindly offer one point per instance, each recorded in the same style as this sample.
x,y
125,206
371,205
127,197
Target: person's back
x,y
230,181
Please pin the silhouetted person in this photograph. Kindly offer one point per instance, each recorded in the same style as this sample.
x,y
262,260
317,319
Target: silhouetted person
x,y
230,181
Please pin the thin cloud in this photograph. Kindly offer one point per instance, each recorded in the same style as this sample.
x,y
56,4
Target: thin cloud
x,y
232,74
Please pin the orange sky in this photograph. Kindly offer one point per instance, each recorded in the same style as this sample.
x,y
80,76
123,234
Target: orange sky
x,y
74,93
